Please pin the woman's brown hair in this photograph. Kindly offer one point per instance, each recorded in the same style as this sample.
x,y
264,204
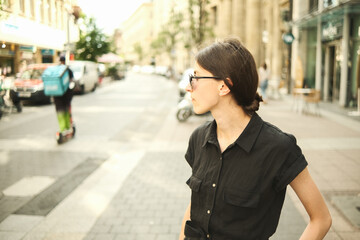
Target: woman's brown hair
x,y
230,59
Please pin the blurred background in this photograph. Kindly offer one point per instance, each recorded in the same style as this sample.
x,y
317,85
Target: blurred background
x,y
123,175
313,43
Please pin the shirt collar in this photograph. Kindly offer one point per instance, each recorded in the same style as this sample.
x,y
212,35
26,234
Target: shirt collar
x,y
210,134
247,138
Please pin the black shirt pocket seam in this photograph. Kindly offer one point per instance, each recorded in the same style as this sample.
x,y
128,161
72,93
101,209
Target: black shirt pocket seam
x,y
242,198
194,183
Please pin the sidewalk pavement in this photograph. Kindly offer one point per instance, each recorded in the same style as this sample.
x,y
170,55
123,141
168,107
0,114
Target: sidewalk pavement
x,y
140,192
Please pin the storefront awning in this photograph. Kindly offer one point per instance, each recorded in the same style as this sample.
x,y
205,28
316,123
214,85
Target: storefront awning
x,y
328,14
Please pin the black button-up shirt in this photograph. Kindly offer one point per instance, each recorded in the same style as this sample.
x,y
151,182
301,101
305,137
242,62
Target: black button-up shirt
x,y
238,194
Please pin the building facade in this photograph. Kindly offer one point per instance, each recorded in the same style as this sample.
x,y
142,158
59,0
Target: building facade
x,y
260,25
144,26
327,47
35,31
137,34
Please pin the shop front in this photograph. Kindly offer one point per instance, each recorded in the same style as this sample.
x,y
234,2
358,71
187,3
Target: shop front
x,y
7,55
354,86
331,39
329,49
24,41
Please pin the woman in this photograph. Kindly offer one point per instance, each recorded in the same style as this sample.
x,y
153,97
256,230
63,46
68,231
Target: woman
x,y
264,75
240,164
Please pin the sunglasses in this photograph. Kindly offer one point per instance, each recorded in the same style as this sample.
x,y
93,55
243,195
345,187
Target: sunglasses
x,y
192,77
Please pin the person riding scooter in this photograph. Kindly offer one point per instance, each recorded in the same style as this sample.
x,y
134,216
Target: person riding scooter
x,y
63,104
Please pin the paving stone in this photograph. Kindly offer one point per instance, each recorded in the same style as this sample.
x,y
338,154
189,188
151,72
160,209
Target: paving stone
x,y
11,235
140,229
145,236
103,236
350,235
349,205
101,228
120,228
151,210
160,229
168,237
11,223
123,236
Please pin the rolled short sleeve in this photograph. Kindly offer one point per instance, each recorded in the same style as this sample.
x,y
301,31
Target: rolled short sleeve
x,y
189,155
293,163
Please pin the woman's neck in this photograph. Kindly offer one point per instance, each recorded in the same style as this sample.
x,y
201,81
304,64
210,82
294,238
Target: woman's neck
x,y
231,122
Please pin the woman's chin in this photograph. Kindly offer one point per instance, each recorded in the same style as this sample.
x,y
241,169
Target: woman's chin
x,y
199,111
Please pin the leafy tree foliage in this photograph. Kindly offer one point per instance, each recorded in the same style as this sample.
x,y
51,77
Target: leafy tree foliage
x,y
199,29
92,43
3,14
139,51
168,37
191,33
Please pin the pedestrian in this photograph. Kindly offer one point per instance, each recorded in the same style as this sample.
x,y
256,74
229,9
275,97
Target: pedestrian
x,y
264,75
63,103
241,165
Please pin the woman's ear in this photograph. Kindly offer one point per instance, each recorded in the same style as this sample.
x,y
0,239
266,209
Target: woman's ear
x,y
223,89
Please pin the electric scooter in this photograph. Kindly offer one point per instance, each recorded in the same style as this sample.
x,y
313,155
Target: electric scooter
x,y
66,135
185,109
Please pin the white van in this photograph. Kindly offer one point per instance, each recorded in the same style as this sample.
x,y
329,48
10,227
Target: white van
x,y
85,75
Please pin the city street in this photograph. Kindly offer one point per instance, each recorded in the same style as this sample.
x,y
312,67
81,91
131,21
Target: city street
x,y
123,176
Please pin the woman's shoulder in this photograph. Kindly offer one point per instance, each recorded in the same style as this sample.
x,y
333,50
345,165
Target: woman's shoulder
x,y
203,128
277,136
201,131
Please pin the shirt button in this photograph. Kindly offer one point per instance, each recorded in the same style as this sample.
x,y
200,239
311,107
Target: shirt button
x,y
214,185
208,211
208,236
220,158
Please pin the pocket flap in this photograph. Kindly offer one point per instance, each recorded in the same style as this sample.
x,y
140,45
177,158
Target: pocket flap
x,y
241,199
194,183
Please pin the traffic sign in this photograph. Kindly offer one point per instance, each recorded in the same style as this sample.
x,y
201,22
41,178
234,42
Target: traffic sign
x,y
288,38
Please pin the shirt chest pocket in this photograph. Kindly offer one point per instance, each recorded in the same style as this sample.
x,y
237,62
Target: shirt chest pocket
x,y
194,183
239,205
241,198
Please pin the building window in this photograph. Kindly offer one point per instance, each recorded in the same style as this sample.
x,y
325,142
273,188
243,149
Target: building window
x,y
313,6
309,80
48,7
32,9
215,15
61,15
57,14
41,6
330,3
354,55
22,6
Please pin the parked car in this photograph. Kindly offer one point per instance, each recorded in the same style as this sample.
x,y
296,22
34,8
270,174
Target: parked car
x,y
101,68
29,86
86,75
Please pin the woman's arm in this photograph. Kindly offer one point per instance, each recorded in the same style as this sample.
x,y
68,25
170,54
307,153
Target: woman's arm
x,y
186,217
311,198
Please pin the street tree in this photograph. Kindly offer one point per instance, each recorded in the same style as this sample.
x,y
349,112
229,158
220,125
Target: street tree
x,y
138,49
169,37
3,5
92,43
199,29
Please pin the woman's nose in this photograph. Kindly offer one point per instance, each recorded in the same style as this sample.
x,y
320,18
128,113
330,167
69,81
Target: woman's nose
x,y
188,88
